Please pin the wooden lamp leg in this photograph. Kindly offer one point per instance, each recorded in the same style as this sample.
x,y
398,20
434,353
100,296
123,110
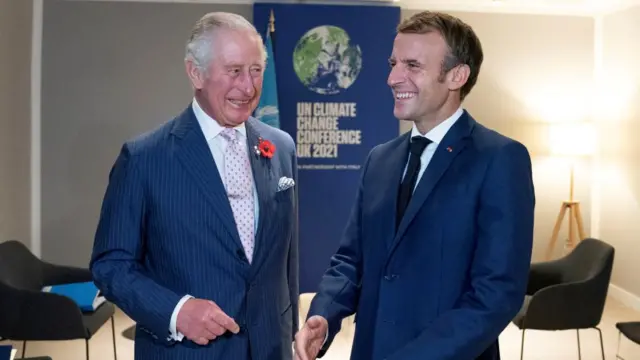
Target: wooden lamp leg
x,y
572,234
575,220
578,216
556,230
571,243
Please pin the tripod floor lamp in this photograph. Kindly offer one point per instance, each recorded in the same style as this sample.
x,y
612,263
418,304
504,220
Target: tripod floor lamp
x,y
572,141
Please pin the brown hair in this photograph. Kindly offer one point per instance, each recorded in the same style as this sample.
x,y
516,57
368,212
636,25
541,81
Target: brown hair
x,y
464,45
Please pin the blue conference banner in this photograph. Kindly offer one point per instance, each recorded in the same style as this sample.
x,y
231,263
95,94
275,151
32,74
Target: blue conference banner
x,y
331,66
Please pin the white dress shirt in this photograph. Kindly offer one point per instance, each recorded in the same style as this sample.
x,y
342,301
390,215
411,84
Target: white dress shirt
x,y
435,135
217,144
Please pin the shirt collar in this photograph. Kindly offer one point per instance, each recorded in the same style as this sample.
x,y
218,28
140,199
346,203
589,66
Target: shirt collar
x,y
437,133
210,127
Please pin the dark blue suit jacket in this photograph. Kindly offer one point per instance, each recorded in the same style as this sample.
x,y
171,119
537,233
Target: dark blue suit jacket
x,y
446,284
166,229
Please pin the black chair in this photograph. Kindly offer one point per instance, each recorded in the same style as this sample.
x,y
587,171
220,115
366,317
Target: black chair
x,y
28,314
130,333
568,293
631,330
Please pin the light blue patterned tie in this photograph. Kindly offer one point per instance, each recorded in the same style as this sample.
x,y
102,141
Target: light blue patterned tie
x,y
239,186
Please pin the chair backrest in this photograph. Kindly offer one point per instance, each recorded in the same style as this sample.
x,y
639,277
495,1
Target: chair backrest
x,y
590,259
19,268
591,262
577,299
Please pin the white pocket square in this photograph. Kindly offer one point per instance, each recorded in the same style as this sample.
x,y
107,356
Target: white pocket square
x,y
284,183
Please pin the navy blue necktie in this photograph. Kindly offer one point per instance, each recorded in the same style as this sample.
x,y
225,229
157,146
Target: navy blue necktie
x,y
418,144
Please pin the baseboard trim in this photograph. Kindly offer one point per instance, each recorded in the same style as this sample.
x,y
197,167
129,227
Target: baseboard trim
x,y
626,298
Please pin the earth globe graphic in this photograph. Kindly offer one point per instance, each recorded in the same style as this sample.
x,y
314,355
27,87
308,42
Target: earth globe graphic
x,y
325,61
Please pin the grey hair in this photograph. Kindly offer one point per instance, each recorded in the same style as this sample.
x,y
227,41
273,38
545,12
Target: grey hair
x,y
199,49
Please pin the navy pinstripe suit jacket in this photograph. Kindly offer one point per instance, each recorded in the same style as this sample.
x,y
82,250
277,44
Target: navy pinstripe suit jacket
x,y
166,229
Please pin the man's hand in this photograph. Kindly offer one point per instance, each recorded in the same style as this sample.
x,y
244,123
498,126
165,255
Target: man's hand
x,y
202,321
310,339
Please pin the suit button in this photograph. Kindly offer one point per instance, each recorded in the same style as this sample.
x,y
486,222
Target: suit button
x,y
387,277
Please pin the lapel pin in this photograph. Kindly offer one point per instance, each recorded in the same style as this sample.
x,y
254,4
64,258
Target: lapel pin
x,y
449,149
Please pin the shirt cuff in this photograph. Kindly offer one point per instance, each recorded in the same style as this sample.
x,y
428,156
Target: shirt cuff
x,y
326,336
174,334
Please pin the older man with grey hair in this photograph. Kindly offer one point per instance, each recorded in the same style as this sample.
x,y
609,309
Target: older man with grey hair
x,y
198,236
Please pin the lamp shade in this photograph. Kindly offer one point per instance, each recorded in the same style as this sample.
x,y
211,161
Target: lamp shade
x,y
572,139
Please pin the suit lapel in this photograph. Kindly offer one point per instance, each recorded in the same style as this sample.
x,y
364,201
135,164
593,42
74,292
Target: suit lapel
x,y
393,166
452,144
195,155
262,175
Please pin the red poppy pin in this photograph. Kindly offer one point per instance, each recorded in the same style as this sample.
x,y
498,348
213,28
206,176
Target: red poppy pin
x,y
265,148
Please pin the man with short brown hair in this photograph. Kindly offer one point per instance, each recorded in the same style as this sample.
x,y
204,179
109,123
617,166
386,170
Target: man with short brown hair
x,y
464,45
435,257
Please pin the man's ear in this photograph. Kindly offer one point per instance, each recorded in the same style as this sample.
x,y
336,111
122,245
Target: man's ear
x,y
458,76
195,75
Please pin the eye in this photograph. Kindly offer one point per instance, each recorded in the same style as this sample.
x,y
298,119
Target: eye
x,y
392,63
234,71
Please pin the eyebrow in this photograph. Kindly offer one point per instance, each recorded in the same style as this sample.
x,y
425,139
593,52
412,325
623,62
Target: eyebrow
x,y
406,61
238,65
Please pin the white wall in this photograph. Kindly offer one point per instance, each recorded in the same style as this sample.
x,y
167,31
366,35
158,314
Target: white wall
x,y
15,52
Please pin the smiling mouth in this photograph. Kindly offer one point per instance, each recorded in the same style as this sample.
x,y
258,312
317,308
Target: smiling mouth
x,y
405,95
238,103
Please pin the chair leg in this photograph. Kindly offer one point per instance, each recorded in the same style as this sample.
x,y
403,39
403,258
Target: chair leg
x,y
618,357
113,333
579,354
86,341
601,343
522,345
24,348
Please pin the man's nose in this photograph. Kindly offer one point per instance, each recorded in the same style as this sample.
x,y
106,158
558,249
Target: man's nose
x,y
247,85
396,76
